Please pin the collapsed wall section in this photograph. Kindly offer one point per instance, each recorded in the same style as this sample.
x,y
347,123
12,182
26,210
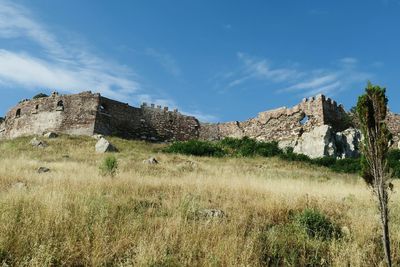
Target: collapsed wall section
x,y
146,123
282,124
70,114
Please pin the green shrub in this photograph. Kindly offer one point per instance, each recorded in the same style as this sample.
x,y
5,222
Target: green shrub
x,y
109,166
196,148
326,161
317,225
346,165
247,147
290,156
40,95
289,245
394,162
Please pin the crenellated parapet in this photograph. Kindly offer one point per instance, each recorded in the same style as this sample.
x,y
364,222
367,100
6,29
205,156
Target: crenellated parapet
x,y
153,107
283,123
89,113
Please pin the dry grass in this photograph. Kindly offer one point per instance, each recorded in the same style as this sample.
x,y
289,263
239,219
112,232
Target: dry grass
x,y
146,215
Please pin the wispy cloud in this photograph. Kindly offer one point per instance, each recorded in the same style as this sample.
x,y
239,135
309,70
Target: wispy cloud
x,y
68,65
294,79
166,61
60,65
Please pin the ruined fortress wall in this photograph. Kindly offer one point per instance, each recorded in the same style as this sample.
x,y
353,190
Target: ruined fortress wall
x,y
70,114
2,127
87,113
146,123
393,123
335,115
282,123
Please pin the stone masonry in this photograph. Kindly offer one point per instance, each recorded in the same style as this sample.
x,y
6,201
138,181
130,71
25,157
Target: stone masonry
x,y
283,124
303,126
88,114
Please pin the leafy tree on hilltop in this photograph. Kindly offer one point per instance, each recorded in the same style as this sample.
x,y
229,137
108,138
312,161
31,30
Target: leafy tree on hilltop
x,y
40,95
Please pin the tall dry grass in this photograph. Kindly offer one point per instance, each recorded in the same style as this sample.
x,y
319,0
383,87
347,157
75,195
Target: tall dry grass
x,y
147,215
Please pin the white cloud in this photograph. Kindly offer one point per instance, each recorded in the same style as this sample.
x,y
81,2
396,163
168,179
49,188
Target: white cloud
x,y
349,61
313,83
31,72
292,79
62,66
68,65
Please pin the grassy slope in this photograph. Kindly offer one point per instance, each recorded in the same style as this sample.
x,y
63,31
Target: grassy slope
x,y
144,216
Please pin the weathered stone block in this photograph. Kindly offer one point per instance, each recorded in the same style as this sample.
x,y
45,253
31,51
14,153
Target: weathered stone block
x,y
103,146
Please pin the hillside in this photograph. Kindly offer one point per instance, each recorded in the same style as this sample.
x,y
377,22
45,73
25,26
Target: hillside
x,y
154,215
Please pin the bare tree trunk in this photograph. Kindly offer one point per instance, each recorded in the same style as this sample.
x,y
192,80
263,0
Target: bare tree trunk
x,y
385,225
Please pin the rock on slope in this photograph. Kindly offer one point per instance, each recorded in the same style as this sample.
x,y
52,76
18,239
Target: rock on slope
x,y
322,141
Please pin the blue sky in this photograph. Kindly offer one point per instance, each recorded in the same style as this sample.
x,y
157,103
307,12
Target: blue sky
x,y
218,60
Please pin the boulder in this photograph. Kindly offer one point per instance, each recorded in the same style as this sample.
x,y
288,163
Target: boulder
x,y
319,142
19,186
38,143
348,143
212,213
151,161
103,146
322,141
50,135
97,136
43,170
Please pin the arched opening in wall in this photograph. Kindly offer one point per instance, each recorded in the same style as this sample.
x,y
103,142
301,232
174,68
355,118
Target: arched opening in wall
x,y
60,106
18,113
304,120
37,107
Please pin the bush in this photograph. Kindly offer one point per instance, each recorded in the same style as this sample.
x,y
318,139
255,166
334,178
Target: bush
x,y
196,148
40,95
346,166
247,147
109,166
326,161
290,156
289,245
394,162
317,225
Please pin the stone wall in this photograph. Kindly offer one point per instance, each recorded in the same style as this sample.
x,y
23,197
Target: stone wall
x,y
147,122
2,127
393,122
282,124
87,114
71,114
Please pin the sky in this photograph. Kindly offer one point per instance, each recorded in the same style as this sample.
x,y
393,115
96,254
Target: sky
x,y
219,60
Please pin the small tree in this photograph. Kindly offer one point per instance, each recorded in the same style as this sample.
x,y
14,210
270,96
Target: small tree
x,y
40,95
372,110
